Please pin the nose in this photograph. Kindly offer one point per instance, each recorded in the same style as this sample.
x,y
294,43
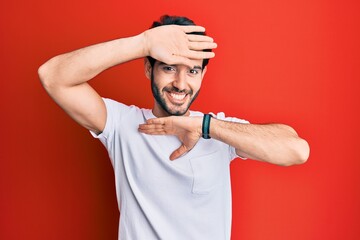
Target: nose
x,y
180,81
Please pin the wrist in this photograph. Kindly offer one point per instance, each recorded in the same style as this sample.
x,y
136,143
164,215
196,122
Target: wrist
x,y
144,43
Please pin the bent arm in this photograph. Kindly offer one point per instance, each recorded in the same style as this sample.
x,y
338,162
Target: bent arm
x,y
274,143
65,76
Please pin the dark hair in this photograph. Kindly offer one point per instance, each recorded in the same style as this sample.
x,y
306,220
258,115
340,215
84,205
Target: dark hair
x,y
176,20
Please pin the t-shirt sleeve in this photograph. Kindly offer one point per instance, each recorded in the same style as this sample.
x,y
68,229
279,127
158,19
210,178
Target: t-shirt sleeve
x,y
114,112
221,116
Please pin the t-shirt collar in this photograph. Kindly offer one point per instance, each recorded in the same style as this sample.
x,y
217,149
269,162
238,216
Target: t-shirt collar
x,y
148,114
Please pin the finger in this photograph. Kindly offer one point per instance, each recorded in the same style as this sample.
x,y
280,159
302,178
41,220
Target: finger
x,y
155,121
199,38
150,126
153,132
192,28
179,152
151,129
181,60
199,55
202,45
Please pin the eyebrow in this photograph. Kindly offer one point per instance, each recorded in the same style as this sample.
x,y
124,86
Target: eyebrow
x,y
195,67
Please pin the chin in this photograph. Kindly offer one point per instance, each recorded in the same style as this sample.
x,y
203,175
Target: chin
x,y
178,113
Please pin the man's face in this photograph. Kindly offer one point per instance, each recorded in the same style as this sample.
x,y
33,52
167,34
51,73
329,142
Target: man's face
x,y
174,87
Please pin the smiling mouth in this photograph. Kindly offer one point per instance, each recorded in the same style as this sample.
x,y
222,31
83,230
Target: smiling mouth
x,y
178,96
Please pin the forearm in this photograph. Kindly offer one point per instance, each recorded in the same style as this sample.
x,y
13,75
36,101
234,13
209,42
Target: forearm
x,y
79,66
273,143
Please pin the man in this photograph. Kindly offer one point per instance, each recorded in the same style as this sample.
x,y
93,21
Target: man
x,y
171,164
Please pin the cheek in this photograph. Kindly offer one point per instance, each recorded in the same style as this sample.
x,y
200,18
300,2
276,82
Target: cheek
x,y
196,84
162,79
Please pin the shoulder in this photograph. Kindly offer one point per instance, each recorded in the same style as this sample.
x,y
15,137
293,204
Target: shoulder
x,y
113,105
196,114
222,116
119,112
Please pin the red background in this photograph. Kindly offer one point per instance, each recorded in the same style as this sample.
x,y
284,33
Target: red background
x,y
295,62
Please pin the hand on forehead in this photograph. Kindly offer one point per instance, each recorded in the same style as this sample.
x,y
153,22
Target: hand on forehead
x,y
173,45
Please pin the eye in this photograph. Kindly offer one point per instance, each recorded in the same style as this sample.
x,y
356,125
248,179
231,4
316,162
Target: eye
x,y
168,68
193,71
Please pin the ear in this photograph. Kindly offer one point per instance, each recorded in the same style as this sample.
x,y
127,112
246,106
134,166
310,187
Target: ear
x,y
203,72
147,68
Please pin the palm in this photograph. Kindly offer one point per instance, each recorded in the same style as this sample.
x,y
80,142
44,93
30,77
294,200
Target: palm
x,y
185,128
173,45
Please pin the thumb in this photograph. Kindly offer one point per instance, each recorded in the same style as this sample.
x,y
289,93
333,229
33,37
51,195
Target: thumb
x,y
179,152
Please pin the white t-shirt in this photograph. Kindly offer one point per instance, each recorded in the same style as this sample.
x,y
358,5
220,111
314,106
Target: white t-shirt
x,y
188,198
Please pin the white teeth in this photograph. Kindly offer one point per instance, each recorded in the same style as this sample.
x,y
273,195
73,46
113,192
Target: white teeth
x,y
178,96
